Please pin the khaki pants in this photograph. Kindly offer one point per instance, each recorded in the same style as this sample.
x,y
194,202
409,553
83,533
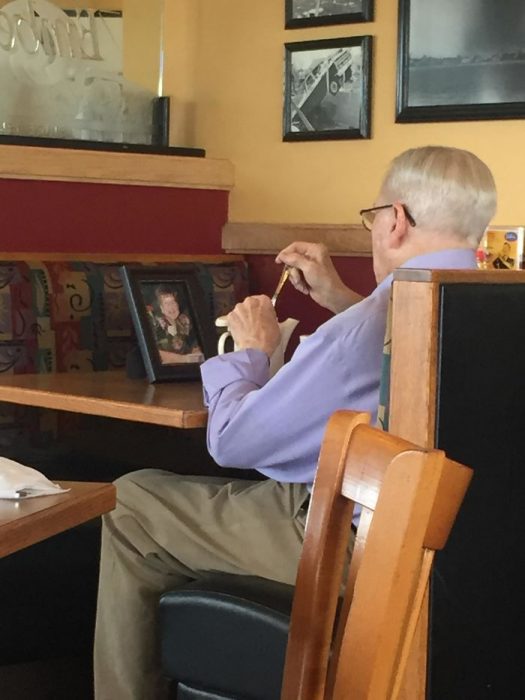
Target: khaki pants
x,y
167,530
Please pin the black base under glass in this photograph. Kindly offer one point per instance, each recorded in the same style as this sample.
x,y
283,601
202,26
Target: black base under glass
x,y
102,146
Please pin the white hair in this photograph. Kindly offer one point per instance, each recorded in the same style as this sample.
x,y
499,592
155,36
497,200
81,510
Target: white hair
x,y
445,190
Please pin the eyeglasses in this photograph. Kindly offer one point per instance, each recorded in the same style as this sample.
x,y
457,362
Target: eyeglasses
x,y
368,215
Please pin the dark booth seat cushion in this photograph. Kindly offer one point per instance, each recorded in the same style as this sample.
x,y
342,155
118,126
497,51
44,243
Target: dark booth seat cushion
x,y
184,692
226,635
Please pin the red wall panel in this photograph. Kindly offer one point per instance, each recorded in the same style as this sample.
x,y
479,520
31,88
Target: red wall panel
x,y
43,216
100,218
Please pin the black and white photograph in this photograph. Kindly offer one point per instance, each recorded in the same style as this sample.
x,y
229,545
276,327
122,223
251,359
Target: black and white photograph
x,y
327,89
174,330
461,60
313,13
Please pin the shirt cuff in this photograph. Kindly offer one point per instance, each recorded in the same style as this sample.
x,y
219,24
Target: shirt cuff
x,y
218,372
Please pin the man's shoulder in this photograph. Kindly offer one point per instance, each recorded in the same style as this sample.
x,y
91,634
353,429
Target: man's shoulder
x,y
372,308
367,315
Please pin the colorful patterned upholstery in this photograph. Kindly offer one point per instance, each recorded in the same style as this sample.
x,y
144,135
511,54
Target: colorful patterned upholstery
x,y
73,316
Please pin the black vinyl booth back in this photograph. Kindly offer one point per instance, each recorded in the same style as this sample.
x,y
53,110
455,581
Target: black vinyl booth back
x,y
476,639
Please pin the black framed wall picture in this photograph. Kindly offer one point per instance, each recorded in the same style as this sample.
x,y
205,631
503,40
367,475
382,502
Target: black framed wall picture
x,y
460,60
314,13
327,89
172,323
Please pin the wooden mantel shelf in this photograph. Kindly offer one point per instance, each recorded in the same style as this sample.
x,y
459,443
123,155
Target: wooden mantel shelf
x,y
70,165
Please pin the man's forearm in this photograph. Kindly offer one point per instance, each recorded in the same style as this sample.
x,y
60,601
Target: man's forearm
x,y
343,299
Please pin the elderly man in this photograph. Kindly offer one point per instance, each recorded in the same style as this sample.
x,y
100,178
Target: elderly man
x,y
431,211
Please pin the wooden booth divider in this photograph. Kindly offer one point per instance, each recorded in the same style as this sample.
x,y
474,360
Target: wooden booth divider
x,y
457,384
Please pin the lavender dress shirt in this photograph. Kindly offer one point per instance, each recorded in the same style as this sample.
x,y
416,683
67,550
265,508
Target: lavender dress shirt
x,y
276,426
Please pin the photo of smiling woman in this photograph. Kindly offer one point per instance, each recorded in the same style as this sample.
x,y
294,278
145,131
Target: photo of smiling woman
x,y
172,325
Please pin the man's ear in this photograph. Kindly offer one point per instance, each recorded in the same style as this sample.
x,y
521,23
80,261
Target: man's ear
x,y
400,227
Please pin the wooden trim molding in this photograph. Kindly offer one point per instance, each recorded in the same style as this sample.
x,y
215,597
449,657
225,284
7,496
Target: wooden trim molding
x,y
70,165
407,274
351,240
120,257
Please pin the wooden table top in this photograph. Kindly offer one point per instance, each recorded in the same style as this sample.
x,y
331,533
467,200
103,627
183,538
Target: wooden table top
x,y
25,522
110,394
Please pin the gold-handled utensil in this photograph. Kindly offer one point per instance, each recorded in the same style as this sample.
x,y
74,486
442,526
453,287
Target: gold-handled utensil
x,y
285,273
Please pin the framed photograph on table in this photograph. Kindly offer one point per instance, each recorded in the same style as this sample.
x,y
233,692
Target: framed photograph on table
x,y
327,89
460,60
315,13
173,326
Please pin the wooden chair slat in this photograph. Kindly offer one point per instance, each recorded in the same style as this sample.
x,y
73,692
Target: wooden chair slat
x,y
410,497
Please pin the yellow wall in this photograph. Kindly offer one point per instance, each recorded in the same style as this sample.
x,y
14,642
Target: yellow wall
x,y
237,89
180,68
142,28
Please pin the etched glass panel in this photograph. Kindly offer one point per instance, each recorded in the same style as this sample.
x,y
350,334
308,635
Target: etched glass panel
x,y
73,70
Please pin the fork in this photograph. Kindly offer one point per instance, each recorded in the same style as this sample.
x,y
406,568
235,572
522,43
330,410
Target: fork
x,y
285,273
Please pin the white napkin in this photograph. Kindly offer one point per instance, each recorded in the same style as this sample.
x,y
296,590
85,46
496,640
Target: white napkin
x,y
18,481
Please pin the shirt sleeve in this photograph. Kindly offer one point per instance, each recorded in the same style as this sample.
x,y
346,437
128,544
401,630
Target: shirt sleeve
x,y
276,425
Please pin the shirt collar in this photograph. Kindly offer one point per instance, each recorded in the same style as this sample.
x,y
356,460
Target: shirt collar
x,y
448,259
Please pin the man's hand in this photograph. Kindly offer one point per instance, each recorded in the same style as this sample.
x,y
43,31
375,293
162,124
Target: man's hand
x,y
313,273
253,324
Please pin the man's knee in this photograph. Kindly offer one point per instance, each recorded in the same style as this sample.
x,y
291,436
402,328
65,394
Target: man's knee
x,y
130,490
140,477
135,484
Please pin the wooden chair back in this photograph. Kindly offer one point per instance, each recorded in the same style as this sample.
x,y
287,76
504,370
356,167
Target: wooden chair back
x,y
409,498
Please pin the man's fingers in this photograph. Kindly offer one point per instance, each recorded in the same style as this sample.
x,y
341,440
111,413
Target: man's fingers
x,y
298,247
301,250
298,281
250,306
291,258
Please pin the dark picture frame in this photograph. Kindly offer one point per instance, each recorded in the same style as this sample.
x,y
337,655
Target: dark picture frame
x,y
327,89
173,325
320,13
463,62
